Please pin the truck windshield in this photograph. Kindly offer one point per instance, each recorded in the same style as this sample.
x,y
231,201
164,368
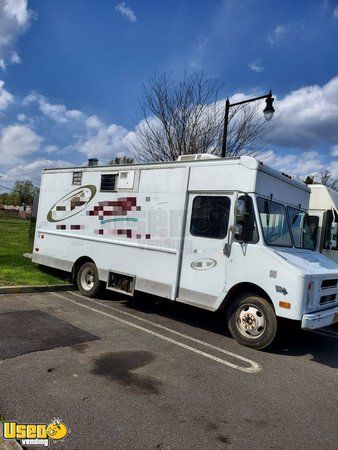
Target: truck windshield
x,y
274,223
301,229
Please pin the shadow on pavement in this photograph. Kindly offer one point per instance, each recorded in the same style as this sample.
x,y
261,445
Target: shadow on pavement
x,y
291,342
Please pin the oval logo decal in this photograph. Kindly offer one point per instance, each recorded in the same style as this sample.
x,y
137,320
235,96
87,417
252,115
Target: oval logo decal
x,y
72,203
203,264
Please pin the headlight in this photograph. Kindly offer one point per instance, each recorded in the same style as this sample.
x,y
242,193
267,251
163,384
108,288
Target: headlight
x,y
309,292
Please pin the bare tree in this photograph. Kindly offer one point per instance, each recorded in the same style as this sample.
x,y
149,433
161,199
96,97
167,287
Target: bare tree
x,y
309,179
328,180
187,117
121,160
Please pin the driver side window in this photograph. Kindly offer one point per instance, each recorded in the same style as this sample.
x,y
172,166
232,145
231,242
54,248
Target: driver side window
x,y
210,216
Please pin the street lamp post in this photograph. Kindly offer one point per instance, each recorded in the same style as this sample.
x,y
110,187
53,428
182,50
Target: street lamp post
x,y
268,113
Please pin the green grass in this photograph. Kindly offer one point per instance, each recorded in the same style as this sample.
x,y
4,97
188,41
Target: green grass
x,y
15,270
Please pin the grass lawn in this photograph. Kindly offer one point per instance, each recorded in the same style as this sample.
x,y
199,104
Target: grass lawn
x,y
14,268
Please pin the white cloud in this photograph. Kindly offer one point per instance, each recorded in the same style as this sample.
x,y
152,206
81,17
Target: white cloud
x,y
32,170
15,58
305,120
295,164
277,34
17,142
21,117
94,138
104,141
256,65
299,165
307,117
126,11
334,150
5,97
15,18
335,12
93,122
51,149
58,113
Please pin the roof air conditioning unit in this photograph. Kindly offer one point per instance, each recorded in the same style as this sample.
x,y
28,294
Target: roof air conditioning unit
x,y
197,156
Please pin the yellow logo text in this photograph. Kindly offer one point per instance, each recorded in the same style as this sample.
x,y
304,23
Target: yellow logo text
x,y
35,433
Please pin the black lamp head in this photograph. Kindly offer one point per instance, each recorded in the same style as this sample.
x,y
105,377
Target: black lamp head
x,y
269,109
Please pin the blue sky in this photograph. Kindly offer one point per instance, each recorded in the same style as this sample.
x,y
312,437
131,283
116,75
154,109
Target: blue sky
x,y
72,72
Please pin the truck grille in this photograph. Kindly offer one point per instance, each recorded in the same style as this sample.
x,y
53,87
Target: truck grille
x,y
327,299
327,291
329,283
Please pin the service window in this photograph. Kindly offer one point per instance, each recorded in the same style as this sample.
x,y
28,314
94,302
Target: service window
x,y
210,216
108,182
77,178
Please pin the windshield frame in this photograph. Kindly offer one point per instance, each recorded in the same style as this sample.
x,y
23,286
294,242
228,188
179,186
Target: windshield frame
x,y
261,224
306,216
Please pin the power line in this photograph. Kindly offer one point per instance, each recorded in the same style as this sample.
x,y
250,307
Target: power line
x,y
5,187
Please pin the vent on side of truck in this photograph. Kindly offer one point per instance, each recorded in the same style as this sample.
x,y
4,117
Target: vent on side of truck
x,y
108,182
77,178
120,282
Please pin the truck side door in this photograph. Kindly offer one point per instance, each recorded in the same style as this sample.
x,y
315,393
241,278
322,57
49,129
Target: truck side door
x,y
203,269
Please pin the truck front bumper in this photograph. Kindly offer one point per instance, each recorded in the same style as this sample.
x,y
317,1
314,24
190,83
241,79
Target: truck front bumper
x,y
320,319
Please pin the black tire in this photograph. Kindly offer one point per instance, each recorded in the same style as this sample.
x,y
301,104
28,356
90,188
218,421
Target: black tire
x,y
88,280
252,321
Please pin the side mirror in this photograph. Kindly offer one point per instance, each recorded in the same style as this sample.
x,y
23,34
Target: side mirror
x,y
237,229
234,230
240,209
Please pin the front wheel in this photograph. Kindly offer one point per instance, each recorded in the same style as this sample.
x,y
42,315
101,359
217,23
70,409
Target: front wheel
x,y
252,321
88,279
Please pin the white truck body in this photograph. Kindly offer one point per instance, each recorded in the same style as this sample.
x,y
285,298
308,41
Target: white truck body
x,y
154,227
323,210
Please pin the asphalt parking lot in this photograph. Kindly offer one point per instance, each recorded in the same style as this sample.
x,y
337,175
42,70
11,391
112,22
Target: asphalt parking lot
x,y
156,375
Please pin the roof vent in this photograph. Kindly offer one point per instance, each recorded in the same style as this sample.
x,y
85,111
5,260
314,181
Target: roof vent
x,y
197,156
92,162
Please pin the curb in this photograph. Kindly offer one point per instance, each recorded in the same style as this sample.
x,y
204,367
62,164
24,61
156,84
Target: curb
x,y
30,289
5,444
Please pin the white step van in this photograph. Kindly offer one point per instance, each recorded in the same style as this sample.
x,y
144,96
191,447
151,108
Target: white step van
x,y
229,234
323,215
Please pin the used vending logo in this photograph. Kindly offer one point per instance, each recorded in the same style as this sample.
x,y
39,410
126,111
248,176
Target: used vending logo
x,y
35,433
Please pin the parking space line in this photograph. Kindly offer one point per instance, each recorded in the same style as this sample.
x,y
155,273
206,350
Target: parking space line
x,y
170,330
254,367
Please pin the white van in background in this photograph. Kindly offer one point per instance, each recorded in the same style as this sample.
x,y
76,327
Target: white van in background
x,y
229,234
323,212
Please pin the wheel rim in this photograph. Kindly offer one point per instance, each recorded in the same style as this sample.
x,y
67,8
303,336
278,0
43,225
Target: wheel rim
x,y
251,321
87,278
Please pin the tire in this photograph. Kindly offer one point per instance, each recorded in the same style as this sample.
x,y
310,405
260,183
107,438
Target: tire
x,y
252,321
88,280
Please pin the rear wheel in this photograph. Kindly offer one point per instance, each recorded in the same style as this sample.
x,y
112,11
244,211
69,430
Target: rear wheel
x,y
88,279
252,321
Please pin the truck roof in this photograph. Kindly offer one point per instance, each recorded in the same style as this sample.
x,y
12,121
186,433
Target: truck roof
x,y
247,161
322,197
